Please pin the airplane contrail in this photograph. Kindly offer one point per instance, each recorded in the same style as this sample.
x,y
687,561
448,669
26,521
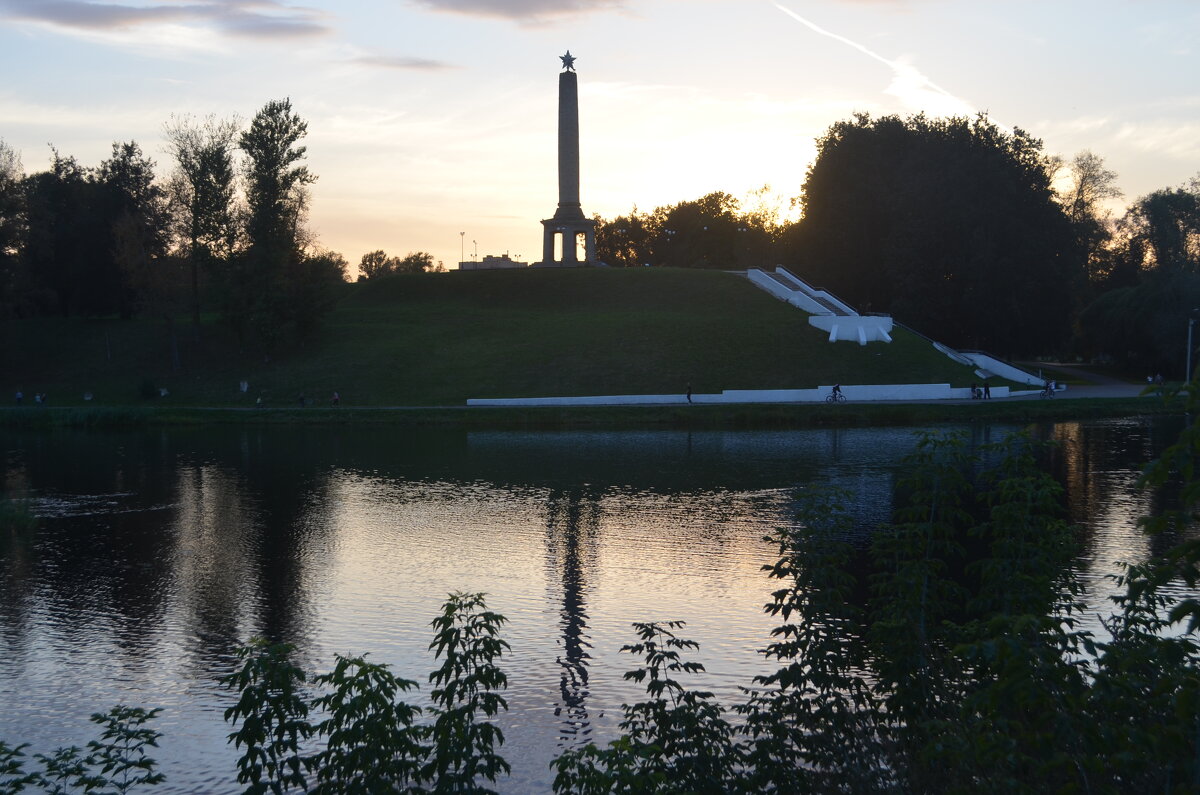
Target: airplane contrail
x,y
908,84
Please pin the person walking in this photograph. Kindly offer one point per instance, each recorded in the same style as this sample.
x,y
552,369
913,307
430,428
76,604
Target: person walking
x,y
689,392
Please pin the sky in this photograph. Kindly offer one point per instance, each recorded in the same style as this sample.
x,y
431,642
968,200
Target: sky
x,y
432,123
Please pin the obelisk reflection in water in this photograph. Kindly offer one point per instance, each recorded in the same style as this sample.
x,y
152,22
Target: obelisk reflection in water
x,y
572,522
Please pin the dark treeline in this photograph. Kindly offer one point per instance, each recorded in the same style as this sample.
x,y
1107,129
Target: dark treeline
x,y
223,231
968,233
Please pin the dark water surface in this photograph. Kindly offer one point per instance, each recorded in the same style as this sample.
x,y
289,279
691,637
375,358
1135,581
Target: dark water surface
x,y
159,551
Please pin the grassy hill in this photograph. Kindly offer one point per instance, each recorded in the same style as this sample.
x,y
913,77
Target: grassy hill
x,y
438,339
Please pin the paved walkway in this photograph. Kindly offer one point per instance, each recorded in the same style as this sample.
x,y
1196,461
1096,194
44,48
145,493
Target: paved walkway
x,y
1073,392
1115,389
1099,386
1075,371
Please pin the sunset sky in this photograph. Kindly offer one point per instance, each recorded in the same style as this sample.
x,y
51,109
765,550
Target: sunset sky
x,y
428,118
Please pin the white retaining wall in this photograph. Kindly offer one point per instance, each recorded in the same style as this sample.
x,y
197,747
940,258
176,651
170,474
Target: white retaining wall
x,y
858,393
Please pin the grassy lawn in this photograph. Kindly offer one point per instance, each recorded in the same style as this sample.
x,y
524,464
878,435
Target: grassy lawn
x,y
438,339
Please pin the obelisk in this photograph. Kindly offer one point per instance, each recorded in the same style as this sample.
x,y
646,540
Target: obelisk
x,y
569,223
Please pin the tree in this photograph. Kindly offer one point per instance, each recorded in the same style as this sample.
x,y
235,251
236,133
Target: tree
x,y
264,294
1162,231
1142,325
65,238
1153,281
625,241
950,224
374,264
136,220
88,229
415,262
700,233
315,286
12,224
160,284
203,193
377,263
275,179
710,232
1090,185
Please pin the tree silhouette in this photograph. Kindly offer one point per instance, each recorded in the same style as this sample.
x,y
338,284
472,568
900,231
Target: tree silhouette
x,y
950,224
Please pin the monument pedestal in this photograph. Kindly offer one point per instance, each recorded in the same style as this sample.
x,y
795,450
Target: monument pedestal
x,y
568,231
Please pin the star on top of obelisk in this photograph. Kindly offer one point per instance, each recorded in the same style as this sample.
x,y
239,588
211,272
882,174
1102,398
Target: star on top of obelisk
x,y
568,61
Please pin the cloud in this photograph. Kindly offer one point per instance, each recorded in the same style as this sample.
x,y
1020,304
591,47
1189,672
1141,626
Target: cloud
x,y
401,62
525,11
914,90
1139,129
1180,140
260,19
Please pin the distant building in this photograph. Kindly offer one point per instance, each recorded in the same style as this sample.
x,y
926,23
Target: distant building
x,y
490,263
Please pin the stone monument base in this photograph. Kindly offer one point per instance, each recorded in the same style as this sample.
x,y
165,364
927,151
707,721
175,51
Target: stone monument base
x,y
570,229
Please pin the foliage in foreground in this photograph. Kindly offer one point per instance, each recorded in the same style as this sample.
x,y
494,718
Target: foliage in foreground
x,y
967,672
963,670
114,764
371,741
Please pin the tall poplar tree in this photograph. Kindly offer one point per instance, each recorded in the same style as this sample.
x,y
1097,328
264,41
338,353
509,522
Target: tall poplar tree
x,y
261,297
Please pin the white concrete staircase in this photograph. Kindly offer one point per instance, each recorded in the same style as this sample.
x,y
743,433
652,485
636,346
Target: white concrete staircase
x,y
825,310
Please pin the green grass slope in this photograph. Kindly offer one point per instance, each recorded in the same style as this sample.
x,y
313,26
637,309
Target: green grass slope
x,y
438,339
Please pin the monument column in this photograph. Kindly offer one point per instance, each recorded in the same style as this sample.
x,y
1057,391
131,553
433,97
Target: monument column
x,y
568,222
568,144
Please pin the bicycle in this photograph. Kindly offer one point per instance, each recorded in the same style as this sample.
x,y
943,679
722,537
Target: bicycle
x,y
836,397
1047,392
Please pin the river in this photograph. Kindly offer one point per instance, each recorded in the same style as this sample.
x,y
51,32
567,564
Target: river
x,y
159,551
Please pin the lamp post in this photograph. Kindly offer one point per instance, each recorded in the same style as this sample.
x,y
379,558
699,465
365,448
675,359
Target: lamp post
x,y
1191,322
462,246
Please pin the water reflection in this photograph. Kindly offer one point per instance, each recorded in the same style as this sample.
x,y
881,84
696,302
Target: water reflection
x,y
213,529
572,522
157,552
1100,464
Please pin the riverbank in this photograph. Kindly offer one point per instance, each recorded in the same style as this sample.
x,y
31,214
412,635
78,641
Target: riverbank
x,y
738,416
